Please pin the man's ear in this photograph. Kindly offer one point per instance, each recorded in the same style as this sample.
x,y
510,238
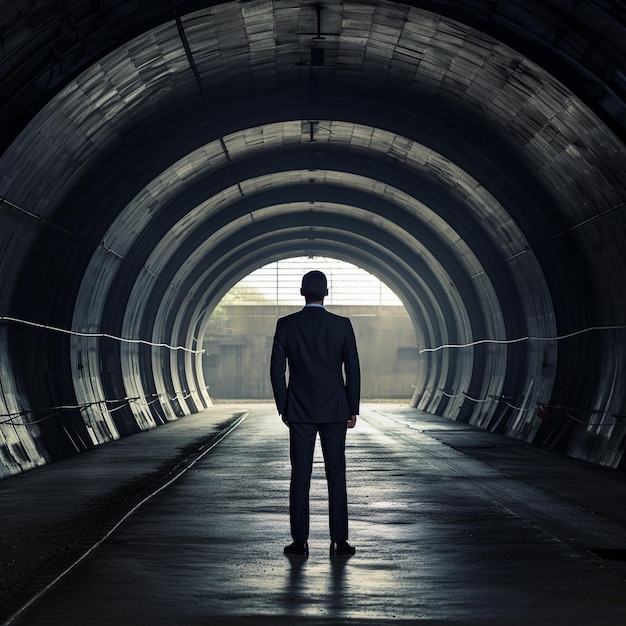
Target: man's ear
x,y
301,292
327,292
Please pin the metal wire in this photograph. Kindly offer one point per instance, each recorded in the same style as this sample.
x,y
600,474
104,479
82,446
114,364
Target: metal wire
x,y
75,333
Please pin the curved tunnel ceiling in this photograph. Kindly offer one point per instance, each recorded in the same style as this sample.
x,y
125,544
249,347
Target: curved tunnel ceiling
x,y
472,160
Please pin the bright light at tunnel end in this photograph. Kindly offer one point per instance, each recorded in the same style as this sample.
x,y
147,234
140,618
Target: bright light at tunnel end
x,y
279,283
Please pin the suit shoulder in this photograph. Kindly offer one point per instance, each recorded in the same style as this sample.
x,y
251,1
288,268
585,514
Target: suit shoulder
x,y
338,318
288,318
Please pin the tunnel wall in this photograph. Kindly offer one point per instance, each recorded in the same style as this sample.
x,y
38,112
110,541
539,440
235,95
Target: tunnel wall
x,y
470,163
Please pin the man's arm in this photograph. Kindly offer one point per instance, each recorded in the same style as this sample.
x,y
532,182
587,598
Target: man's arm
x,y
278,366
352,370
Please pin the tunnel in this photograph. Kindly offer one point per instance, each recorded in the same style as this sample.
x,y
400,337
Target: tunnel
x,y
470,155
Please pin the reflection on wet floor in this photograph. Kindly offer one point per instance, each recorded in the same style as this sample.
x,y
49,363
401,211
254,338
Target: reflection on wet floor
x,y
441,537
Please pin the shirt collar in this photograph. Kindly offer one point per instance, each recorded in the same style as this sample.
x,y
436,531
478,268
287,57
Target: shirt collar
x,y
319,306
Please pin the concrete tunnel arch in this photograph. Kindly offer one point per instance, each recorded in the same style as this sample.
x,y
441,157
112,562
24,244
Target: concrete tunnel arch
x,y
230,232
153,194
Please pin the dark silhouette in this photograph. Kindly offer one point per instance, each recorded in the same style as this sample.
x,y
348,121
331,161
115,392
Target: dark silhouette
x,y
321,396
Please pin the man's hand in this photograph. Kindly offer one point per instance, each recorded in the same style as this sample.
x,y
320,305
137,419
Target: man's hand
x,y
352,421
285,422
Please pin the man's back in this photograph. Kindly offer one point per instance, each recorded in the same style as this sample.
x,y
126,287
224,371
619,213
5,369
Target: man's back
x,y
317,345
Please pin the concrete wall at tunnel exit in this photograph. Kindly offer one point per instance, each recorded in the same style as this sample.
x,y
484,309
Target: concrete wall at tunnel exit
x,y
238,345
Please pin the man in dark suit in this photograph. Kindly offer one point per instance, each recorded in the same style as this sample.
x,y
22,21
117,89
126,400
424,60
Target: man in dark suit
x,y
318,348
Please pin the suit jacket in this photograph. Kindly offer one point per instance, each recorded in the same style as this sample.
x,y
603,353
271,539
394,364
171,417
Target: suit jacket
x,y
318,347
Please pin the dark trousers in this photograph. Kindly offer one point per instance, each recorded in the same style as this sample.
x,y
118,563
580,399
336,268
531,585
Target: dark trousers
x,y
301,448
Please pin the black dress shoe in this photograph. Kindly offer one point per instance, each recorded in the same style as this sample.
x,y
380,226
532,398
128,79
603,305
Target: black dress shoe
x,y
297,548
341,548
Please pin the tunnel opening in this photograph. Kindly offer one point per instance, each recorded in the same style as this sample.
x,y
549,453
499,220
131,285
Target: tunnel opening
x,y
238,336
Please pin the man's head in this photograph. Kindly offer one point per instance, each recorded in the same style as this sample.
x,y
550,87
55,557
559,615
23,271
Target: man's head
x,y
314,286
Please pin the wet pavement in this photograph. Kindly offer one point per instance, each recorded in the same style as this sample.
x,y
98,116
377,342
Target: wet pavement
x,y
452,525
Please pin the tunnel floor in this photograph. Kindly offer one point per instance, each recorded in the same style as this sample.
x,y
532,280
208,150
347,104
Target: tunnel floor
x,y
185,524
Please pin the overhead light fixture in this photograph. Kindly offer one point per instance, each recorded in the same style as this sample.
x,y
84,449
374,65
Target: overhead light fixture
x,y
317,57
317,54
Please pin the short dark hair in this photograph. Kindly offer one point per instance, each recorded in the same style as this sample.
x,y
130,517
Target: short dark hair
x,y
314,285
